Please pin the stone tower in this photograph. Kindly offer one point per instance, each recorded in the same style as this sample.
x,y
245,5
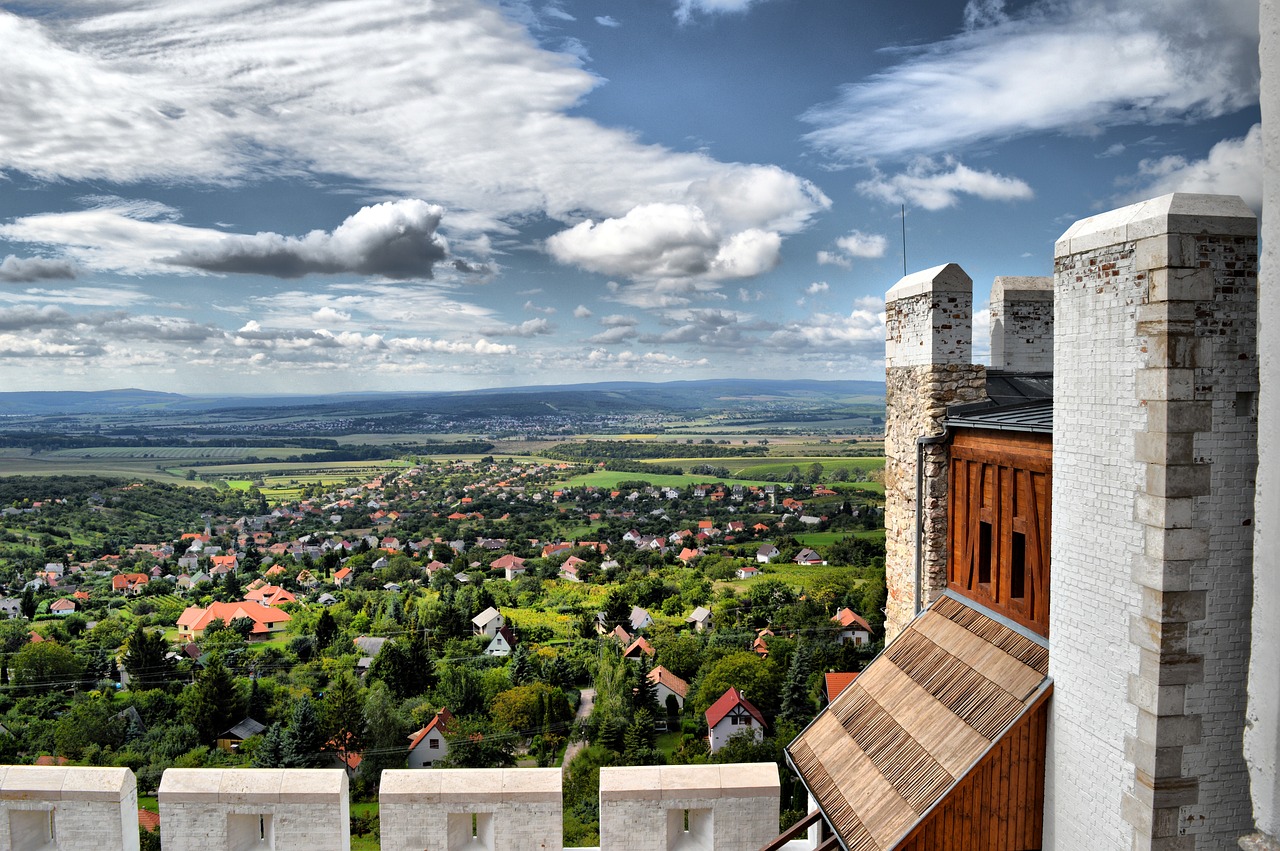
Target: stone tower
x,y
928,366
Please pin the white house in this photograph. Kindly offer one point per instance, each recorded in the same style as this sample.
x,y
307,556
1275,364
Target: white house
x,y
428,745
701,619
488,622
766,552
668,684
852,627
747,572
732,715
502,644
639,619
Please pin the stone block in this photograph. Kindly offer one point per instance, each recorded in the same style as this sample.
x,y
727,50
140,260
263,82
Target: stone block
x,y
1165,384
1168,730
1185,284
1184,606
1176,544
1174,480
1157,699
1179,416
1160,511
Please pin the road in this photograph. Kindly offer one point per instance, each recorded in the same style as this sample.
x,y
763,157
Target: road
x,y
584,709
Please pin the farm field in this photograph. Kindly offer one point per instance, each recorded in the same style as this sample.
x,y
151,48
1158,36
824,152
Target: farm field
x,y
826,539
610,479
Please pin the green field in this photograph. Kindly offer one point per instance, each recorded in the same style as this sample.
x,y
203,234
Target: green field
x,y
610,479
173,453
775,468
826,539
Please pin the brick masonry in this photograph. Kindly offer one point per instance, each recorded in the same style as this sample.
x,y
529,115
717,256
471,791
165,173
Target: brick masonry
x,y
68,808
1155,429
1022,324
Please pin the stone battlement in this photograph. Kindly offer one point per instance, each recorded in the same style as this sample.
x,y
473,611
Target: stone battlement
x,y
210,809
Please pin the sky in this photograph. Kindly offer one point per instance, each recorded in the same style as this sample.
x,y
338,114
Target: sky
x,y
300,196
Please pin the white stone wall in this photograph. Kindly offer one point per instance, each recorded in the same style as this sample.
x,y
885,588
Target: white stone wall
x,y
211,809
497,809
1022,324
1262,735
724,807
1153,453
63,808
928,349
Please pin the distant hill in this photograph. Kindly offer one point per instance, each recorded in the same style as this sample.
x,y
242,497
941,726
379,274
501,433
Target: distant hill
x,y
619,396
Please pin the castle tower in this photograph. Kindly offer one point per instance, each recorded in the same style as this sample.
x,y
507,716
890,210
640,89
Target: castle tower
x,y
928,366
1022,324
1154,454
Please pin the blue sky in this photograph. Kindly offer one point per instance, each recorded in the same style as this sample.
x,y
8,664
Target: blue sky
x,y
239,196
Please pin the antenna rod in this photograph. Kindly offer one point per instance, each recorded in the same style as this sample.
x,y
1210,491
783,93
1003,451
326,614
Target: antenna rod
x,y
904,240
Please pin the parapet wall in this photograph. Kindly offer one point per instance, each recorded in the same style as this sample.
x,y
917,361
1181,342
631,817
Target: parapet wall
x,y
668,808
203,809
55,808
516,809
1022,324
689,807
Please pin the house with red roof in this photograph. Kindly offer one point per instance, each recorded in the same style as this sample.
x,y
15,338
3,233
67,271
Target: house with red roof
x,y
342,576
428,745
511,566
852,627
266,620
270,595
129,583
667,684
62,607
638,648
731,715
836,682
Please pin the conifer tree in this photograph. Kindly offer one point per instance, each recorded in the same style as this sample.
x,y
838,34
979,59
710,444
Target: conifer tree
x,y
797,707
303,742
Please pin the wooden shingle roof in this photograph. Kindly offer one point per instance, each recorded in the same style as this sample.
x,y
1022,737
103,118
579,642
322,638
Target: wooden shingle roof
x,y
896,741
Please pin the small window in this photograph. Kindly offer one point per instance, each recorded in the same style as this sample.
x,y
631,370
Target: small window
x,y
1018,567
984,553
434,744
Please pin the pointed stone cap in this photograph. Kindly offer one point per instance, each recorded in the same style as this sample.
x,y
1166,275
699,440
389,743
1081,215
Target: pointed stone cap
x,y
1180,212
949,278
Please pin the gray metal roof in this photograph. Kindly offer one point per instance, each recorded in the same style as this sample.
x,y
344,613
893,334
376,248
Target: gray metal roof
x,y
1034,416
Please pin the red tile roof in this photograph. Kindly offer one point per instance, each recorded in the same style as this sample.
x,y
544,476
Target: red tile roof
x,y
442,720
838,682
726,702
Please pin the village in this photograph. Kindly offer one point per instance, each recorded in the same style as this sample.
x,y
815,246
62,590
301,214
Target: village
x,y
478,613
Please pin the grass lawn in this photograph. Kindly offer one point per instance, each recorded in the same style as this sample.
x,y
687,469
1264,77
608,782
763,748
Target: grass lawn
x,y
826,539
668,743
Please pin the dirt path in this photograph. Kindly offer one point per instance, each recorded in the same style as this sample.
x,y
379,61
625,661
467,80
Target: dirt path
x,y
584,710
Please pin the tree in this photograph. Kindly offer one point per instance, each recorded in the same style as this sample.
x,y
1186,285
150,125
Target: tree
x,y
797,708
28,604
520,668
531,708
302,744
343,716
270,753
326,630
144,660
45,666
755,677
212,704
475,744
385,731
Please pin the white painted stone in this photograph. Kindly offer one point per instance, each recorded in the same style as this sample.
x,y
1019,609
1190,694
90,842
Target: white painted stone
x,y
1022,324
65,808
725,807
1262,733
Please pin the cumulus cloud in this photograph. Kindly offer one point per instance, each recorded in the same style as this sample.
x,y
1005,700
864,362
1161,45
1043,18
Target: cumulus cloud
x,y
582,312
855,245
426,345
455,101
529,328
655,241
861,331
1232,167
29,318
27,270
396,239
329,316
537,308
616,334
816,288
938,185
1041,69
617,320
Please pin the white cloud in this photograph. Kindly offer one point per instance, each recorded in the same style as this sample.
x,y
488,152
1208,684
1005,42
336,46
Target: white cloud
x,y
1055,66
617,320
817,287
529,328
608,21
855,245
453,101
615,334
666,241
329,316
395,240
861,332
26,270
582,312
535,308
1232,167
936,186
422,345
686,9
